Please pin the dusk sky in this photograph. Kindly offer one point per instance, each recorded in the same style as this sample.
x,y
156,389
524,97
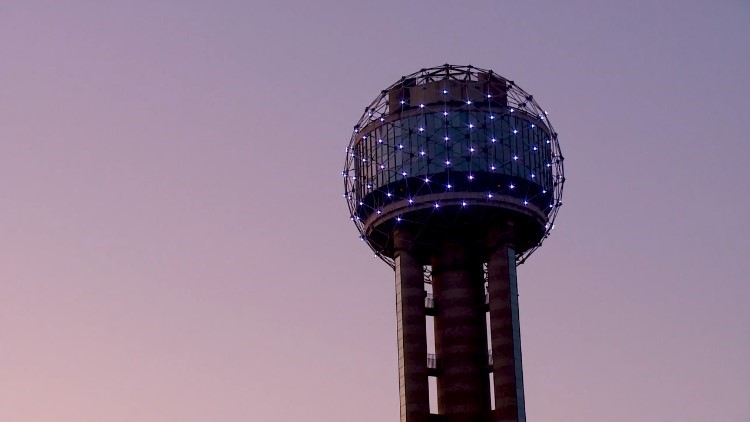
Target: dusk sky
x,y
174,246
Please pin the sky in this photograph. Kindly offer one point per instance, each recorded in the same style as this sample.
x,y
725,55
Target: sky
x,y
174,245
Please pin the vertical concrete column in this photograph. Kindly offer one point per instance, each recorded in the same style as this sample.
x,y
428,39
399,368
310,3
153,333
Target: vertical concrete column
x,y
411,331
505,334
460,335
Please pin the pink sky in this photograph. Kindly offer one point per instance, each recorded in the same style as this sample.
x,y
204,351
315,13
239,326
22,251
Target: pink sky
x,y
174,245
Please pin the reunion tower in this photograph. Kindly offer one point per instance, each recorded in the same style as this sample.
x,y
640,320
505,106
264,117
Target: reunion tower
x,y
454,176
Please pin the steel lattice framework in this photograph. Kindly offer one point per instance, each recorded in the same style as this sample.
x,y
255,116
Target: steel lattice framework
x,y
447,139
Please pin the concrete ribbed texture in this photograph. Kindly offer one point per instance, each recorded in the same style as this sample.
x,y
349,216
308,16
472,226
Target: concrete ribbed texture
x,y
460,335
412,333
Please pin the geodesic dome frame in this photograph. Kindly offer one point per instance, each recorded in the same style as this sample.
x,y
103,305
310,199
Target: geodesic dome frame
x,y
449,132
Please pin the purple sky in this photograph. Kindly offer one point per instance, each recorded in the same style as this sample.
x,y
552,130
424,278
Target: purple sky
x,y
174,246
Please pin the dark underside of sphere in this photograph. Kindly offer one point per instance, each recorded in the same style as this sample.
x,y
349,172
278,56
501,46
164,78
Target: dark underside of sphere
x,y
453,153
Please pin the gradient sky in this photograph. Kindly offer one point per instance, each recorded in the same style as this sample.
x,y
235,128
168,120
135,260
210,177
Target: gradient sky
x,y
174,246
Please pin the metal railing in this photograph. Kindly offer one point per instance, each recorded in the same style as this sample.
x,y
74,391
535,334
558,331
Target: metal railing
x,y
431,361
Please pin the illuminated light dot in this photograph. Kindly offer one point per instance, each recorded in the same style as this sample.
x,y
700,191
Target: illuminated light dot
x,y
378,211
369,114
388,194
421,129
511,110
398,219
447,162
380,141
494,140
489,96
492,117
411,201
400,146
382,166
515,157
535,148
354,177
445,91
471,126
471,149
515,131
463,204
402,101
369,186
471,177
448,186
512,186
533,175
545,113
364,160
364,137
445,113
532,126
468,101
446,138
421,106
382,119
437,205
526,202
489,195
361,203
544,191
547,140
422,153
403,174
549,165
426,180
492,167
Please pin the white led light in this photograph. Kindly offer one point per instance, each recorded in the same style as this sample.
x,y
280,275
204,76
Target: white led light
x,y
445,91
411,201
515,131
533,175
492,117
421,129
382,119
512,186
544,191
426,180
378,211
471,177
492,167
535,148
400,146
380,141
468,101
403,174
526,202
421,106
471,149
511,110
398,219
422,153
463,204
446,138
448,186
445,113
388,194
447,162
515,157
382,166
489,96
489,195
471,126
532,126
437,205
494,140
402,101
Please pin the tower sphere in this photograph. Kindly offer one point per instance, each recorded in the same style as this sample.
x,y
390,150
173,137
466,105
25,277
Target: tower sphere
x,y
453,150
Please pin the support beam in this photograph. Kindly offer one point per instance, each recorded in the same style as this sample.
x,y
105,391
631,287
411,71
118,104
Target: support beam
x,y
460,335
411,332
